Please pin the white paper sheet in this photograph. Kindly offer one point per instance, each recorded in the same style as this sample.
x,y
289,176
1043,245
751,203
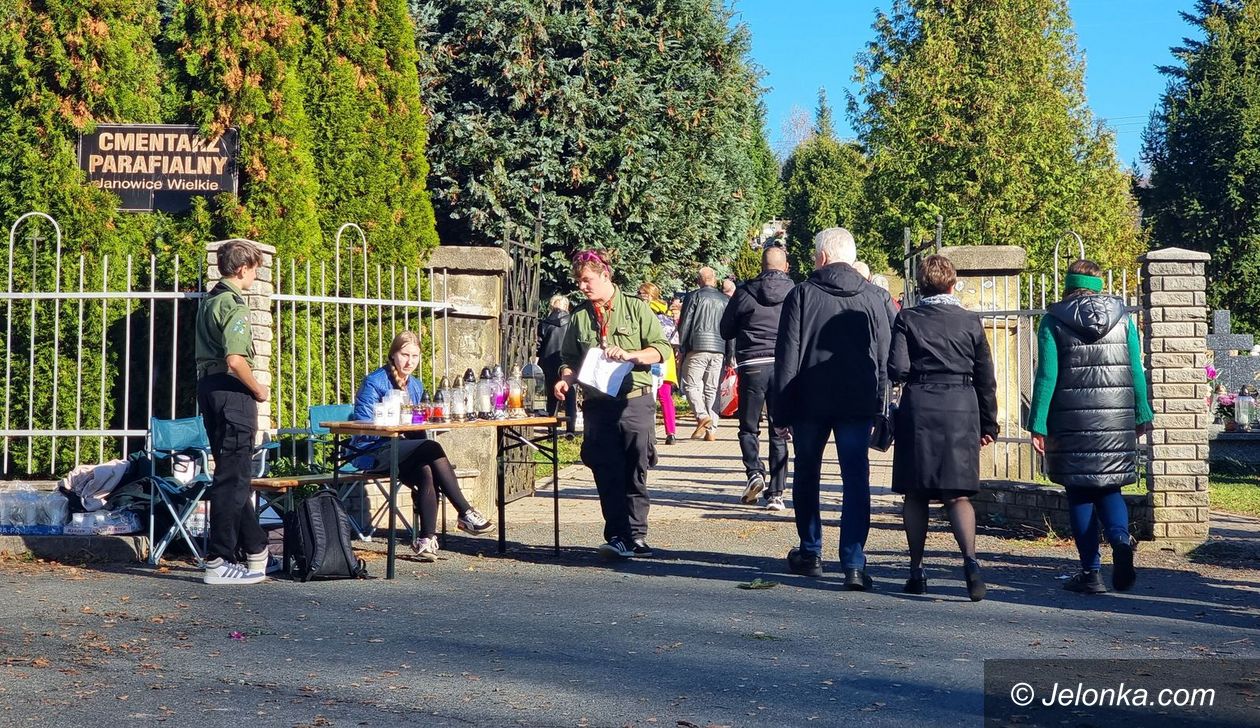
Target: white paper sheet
x,y
603,374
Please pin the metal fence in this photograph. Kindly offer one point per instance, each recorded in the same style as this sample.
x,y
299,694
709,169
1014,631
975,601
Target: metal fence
x,y
94,346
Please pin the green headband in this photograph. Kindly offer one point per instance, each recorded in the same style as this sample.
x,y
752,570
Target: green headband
x,y
1080,280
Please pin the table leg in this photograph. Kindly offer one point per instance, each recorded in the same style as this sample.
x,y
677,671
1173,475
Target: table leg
x,y
555,483
393,510
501,488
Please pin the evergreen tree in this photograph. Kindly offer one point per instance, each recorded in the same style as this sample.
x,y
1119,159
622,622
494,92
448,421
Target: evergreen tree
x,y
235,64
822,181
363,96
975,110
1203,150
68,65
627,125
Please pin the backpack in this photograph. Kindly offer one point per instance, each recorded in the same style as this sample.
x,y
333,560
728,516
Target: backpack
x,y
317,539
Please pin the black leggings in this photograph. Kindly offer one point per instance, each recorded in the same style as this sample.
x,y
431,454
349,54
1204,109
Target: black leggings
x,y
422,465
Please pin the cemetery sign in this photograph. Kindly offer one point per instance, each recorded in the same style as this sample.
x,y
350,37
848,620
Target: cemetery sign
x,y
158,166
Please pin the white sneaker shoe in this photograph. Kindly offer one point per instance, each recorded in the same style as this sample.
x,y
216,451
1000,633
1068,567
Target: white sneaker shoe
x,y
220,572
775,503
263,562
475,523
426,548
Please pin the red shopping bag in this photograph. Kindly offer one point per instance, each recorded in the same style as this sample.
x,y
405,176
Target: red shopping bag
x,y
728,393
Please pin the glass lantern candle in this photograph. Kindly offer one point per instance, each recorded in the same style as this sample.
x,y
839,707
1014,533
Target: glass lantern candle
x,y
515,394
535,389
1245,408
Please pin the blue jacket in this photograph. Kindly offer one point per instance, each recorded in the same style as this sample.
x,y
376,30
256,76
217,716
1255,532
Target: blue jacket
x,y
372,391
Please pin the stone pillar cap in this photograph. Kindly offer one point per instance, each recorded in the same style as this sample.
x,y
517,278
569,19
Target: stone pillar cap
x,y
265,248
1161,255
972,259
470,258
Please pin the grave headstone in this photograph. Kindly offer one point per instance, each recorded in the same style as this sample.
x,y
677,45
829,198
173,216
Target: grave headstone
x,y
1232,370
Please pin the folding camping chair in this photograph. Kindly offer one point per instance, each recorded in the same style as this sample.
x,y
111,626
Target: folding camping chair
x,y
168,439
350,479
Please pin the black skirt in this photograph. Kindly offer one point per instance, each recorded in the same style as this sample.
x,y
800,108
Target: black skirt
x,y
937,447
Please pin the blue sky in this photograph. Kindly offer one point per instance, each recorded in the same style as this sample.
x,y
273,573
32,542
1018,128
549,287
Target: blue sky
x,y
805,44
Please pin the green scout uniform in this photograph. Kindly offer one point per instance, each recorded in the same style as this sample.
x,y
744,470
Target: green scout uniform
x,y
619,445
231,417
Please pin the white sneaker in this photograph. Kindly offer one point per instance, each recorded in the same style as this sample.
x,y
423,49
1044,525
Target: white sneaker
x,y
263,562
426,548
775,503
473,522
220,572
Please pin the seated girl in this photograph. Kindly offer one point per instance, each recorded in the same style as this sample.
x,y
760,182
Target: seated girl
x,y
422,463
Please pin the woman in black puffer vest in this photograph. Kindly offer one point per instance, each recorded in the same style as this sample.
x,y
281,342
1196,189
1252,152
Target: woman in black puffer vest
x,y
1089,405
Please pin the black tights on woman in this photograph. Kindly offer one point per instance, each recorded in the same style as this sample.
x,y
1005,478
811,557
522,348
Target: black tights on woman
x,y
423,466
962,516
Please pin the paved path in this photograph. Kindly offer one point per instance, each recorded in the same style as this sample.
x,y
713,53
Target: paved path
x,y
531,640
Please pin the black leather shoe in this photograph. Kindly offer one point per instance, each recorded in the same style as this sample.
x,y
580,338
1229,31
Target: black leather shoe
x,y
1086,582
641,549
976,588
1122,573
917,583
804,563
857,580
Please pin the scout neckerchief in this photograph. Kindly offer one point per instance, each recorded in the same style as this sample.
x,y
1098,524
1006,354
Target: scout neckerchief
x,y
602,319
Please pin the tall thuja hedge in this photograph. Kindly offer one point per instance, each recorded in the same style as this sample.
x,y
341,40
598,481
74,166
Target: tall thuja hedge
x,y
236,65
976,111
68,65
627,123
363,101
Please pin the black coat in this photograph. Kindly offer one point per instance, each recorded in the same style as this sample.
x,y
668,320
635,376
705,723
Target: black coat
x,y
832,349
1091,442
698,324
949,402
550,335
752,317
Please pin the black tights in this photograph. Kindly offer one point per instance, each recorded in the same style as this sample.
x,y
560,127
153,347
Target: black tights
x,y
962,516
423,466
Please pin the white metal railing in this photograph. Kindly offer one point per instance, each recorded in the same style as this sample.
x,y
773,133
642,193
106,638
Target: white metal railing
x,y
95,346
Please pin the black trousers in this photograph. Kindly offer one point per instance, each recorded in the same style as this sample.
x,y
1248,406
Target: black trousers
x,y
620,436
756,386
231,417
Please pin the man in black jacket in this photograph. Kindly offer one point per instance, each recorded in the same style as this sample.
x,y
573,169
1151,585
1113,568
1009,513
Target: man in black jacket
x,y
550,335
752,321
704,351
832,353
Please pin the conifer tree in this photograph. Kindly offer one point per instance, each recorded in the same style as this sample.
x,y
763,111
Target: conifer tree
x,y
975,110
1203,149
235,64
363,101
629,125
822,182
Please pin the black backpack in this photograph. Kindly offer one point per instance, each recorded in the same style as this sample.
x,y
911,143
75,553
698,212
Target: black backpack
x,y
317,539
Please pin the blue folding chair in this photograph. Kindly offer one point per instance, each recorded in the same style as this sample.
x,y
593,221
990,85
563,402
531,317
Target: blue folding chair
x,y
167,439
350,478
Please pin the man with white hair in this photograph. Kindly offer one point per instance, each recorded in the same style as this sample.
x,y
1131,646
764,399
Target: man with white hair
x,y
704,351
832,352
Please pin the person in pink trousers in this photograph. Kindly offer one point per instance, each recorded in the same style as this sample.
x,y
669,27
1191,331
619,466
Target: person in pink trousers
x,y
651,293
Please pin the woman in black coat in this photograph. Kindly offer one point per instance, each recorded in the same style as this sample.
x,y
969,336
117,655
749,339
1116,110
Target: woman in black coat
x,y
948,412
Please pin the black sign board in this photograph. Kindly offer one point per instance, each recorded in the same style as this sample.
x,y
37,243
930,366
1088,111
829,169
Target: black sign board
x,y
158,166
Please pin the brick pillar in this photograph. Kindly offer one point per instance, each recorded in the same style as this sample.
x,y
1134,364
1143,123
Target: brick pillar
x,y
258,298
1174,303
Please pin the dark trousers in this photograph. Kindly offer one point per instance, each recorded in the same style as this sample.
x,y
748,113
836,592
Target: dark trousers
x,y
423,465
756,385
620,435
551,376
852,440
231,417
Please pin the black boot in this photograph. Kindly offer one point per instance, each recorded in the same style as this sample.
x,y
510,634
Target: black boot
x,y
917,583
1086,582
976,588
1122,573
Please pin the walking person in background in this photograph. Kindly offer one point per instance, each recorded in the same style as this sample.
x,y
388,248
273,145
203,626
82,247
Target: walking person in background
x,y
550,335
620,428
704,351
228,397
651,293
751,320
1089,405
832,358
422,462
948,412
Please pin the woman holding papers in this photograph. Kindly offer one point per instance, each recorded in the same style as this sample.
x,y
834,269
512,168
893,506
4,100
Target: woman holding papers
x,y
612,342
